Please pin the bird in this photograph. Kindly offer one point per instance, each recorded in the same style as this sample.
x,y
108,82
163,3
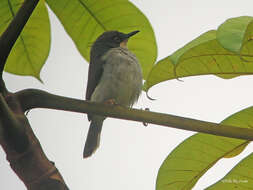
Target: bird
x,y
114,77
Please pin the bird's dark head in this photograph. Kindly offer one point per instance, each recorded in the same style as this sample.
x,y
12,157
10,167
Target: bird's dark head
x,y
111,39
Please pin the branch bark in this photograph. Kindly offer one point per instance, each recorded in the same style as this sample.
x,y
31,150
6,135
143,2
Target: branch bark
x,y
23,149
13,132
32,98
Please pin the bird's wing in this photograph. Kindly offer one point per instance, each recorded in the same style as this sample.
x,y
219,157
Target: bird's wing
x,y
94,75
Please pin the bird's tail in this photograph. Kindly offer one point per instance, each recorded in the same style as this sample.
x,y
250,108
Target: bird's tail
x,y
93,138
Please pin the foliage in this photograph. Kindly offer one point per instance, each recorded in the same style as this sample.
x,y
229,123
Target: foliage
x,y
192,158
226,53
32,47
84,21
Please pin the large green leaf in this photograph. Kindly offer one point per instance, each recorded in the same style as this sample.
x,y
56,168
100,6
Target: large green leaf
x,y
208,36
165,69
192,158
239,178
84,20
231,33
247,45
32,47
226,54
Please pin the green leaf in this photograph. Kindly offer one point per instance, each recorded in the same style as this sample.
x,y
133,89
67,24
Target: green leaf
x,y
32,47
85,20
208,36
236,151
231,33
165,68
247,46
239,178
162,71
211,58
226,54
192,158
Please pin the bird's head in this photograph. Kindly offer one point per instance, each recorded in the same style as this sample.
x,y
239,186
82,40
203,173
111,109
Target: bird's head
x,y
111,39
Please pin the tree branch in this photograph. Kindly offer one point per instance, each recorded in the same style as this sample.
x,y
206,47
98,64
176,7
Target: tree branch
x,y
23,149
13,132
10,35
32,98
21,146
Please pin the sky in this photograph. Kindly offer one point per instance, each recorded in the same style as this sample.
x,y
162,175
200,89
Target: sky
x,y
130,154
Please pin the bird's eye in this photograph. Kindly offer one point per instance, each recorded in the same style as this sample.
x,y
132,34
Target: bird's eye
x,y
116,39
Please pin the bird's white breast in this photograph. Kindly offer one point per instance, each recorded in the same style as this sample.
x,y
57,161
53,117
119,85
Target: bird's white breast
x,y
121,79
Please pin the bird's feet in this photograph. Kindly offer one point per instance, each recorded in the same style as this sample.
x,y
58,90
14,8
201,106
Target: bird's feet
x,y
111,102
144,123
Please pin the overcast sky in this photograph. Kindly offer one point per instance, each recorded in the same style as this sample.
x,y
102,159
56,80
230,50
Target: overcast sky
x,y
130,154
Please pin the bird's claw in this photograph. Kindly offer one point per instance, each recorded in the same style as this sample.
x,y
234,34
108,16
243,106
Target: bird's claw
x,y
111,102
144,123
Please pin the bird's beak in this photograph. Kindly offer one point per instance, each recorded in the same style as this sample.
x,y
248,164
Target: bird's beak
x,y
124,43
132,33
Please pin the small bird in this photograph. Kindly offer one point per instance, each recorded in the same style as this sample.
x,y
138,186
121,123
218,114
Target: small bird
x,y
114,76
